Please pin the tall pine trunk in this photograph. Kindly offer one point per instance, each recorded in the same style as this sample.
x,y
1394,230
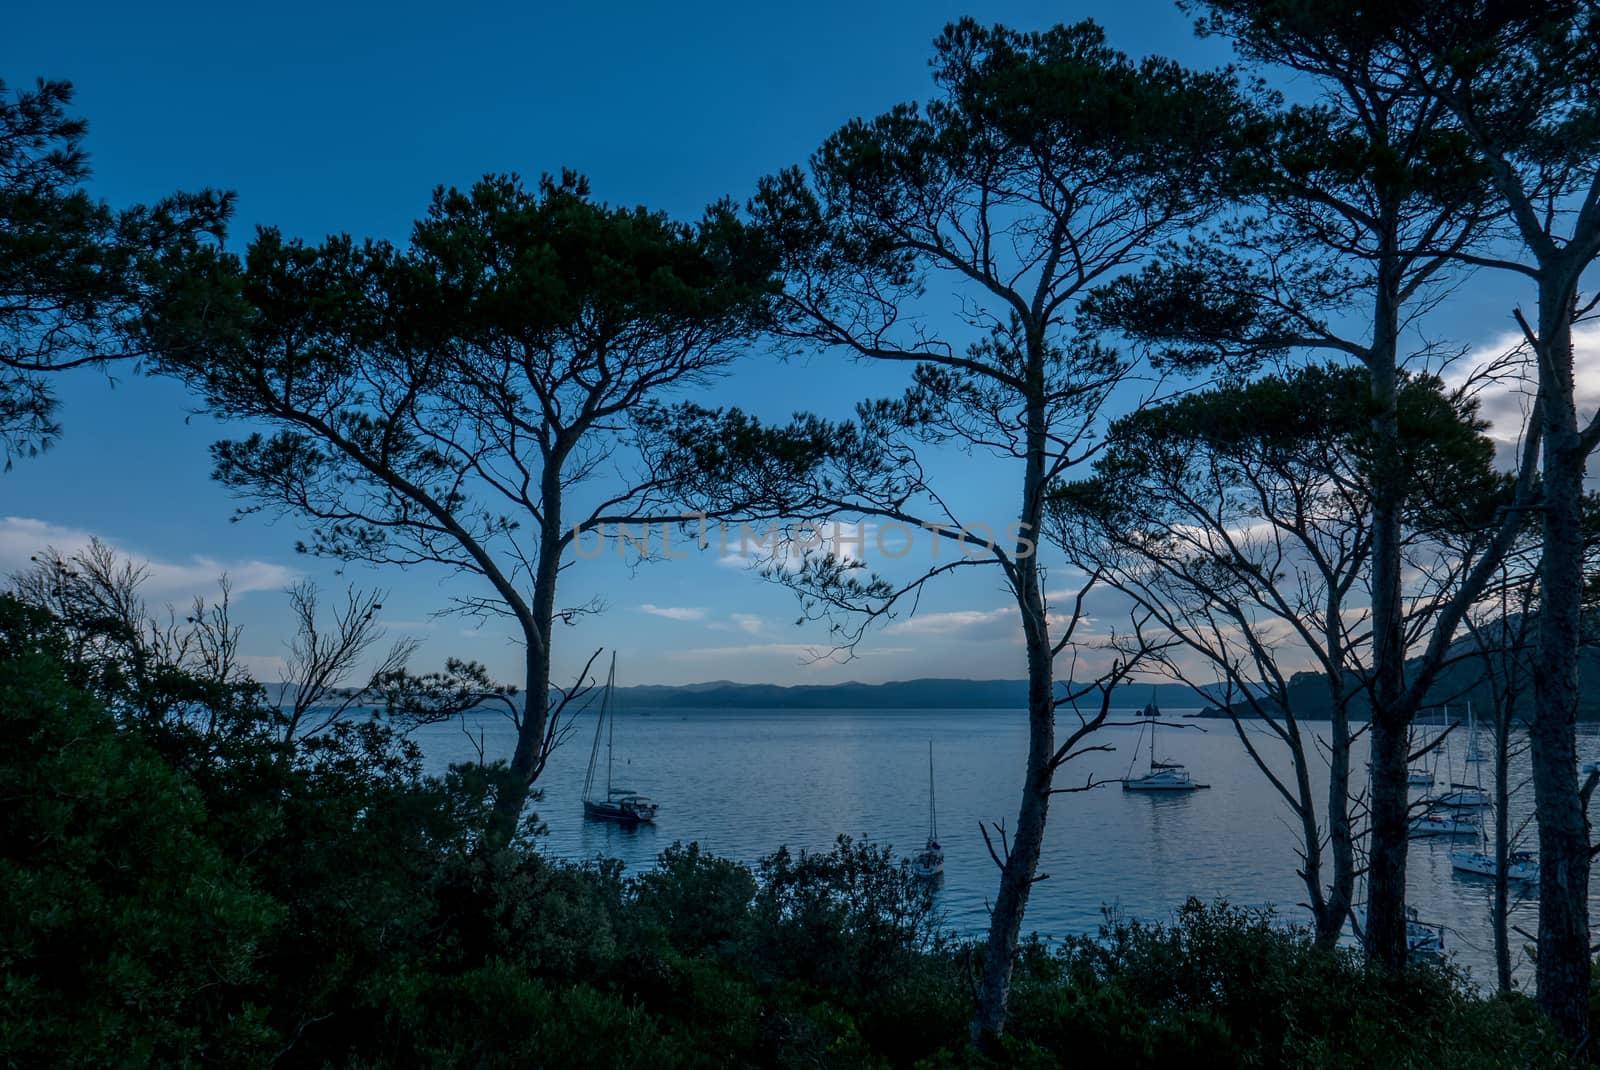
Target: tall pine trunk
x,y
1563,960
1386,872
1021,863
1341,843
1391,736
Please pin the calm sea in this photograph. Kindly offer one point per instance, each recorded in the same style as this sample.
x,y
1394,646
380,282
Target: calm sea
x,y
743,783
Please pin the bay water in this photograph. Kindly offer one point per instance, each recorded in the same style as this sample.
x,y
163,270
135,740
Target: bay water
x,y
744,782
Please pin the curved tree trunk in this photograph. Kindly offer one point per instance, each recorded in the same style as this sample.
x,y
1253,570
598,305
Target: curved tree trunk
x,y
527,760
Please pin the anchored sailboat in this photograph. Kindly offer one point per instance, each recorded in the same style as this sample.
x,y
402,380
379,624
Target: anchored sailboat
x,y
1473,753
929,862
1163,775
617,804
1422,775
1445,823
1520,865
1422,937
1461,795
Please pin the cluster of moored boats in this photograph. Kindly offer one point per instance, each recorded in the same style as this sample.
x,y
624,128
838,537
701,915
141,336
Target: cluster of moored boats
x,y
1453,812
1456,811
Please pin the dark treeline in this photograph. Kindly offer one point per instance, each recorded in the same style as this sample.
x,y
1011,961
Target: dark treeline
x,y
1200,331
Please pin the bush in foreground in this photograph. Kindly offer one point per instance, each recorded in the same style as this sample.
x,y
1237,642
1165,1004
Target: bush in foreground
x,y
191,891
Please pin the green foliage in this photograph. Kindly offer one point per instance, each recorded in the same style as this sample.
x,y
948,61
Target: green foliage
x,y
499,1015
846,919
387,368
694,900
74,274
128,938
1223,986
1305,433
234,900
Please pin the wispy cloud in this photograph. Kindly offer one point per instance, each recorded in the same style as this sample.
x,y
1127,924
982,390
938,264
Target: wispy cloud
x,y
22,537
748,622
673,612
964,624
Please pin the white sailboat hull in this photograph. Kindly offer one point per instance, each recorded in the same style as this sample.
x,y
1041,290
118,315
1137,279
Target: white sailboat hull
x,y
1462,798
1435,825
1164,776
1168,779
1421,937
1524,869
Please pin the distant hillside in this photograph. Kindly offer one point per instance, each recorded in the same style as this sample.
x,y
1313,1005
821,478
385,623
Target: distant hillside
x,y
930,693
1459,683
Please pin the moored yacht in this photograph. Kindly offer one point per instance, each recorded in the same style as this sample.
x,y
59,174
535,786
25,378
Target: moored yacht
x,y
929,862
1163,775
621,805
1445,824
1520,865
1462,797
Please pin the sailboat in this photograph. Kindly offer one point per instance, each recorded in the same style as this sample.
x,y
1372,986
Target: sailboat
x,y
1520,865
617,804
1473,753
929,862
1422,775
1163,775
1445,823
1422,937
1461,795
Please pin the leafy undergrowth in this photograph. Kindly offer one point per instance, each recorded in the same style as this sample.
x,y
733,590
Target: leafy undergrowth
x,y
182,888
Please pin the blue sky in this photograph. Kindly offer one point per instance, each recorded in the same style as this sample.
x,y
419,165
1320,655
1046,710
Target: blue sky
x,y
333,117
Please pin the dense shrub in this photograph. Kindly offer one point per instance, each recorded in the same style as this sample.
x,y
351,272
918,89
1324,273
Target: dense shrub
x,y
849,919
182,887
126,938
1224,986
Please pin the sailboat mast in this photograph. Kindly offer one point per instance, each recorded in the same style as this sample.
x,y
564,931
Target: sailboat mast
x,y
599,725
611,724
1152,737
933,812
